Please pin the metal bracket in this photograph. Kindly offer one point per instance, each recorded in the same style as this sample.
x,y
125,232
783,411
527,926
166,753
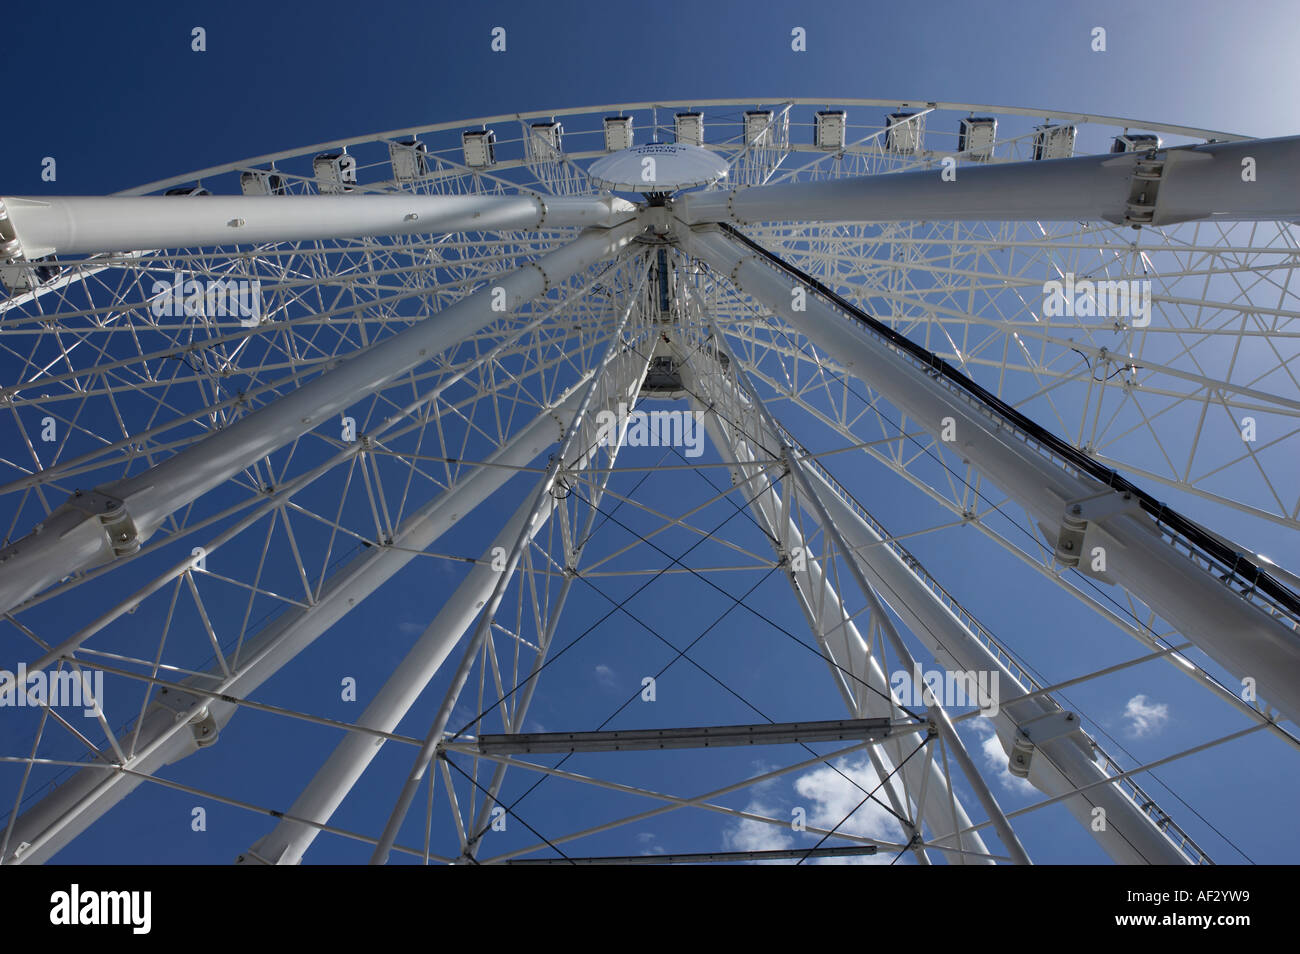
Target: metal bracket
x,y
1143,190
93,503
562,487
659,219
203,724
1050,726
1102,505
11,249
1082,520
123,536
1038,731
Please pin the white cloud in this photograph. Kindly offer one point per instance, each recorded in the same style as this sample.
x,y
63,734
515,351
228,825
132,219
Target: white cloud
x,y
995,758
647,838
746,834
1145,718
827,797
834,797
605,676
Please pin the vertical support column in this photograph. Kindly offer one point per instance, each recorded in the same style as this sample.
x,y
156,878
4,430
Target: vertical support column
x,y
855,669
943,722
608,387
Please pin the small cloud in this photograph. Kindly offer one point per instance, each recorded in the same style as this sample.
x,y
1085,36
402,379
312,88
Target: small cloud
x,y
768,784
995,757
410,629
605,676
746,834
647,839
1145,718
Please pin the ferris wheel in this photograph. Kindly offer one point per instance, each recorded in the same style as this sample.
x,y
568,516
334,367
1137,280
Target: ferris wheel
x,y
659,483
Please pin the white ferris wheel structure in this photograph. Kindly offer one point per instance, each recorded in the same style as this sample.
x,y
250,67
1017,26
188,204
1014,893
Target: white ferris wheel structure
x,y
242,407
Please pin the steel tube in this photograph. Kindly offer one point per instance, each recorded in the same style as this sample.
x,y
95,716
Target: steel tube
x,y
85,225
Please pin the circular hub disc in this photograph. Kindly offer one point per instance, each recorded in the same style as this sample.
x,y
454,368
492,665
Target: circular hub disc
x,y
658,167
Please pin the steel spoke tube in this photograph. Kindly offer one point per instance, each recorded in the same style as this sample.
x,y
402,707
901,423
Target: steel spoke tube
x,y
625,390
1063,763
84,225
289,840
923,781
1178,184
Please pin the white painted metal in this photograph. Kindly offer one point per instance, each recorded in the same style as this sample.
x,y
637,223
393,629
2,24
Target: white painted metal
x,y
737,428
658,167
1064,763
1197,182
955,745
72,539
164,735
860,658
619,379
1238,634
83,225
335,778
928,278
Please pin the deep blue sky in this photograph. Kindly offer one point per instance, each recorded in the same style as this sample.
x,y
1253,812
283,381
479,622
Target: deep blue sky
x,y
117,96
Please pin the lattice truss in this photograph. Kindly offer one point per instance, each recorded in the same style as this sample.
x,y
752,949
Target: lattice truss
x,y
1154,400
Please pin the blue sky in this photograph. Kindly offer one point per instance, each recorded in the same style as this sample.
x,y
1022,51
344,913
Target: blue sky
x,y
122,100
119,98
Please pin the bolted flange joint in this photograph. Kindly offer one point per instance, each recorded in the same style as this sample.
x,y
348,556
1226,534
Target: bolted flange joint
x,y
123,536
